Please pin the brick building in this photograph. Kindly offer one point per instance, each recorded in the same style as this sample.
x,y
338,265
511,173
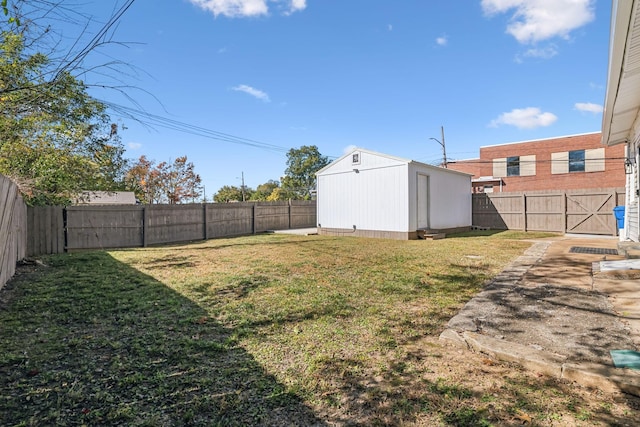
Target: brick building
x,y
564,163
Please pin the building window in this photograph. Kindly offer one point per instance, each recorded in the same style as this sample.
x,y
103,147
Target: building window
x,y
355,158
513,166
576,161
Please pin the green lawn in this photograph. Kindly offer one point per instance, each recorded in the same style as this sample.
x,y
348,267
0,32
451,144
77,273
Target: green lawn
x,y
268,330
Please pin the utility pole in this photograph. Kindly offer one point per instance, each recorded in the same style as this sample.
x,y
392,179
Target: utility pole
x,y
242,188
444,149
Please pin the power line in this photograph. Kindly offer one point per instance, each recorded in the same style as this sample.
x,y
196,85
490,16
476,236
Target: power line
x,y
491,161
164,122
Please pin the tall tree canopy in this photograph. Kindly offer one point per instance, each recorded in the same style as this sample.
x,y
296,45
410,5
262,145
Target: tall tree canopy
x,y
263,191
302,165
55,139
231,193
165,182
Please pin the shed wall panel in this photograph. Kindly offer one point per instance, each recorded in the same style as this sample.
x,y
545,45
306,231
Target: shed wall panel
x,y
449,198
372,199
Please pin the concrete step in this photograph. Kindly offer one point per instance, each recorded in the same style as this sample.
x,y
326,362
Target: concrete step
x,y
625,247
430,235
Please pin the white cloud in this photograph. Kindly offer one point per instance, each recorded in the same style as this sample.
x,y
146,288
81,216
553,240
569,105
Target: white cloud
x,y
253,92
442,40
244,8
525,118
296,6
589,107
536,20
134,145
390,27
547,52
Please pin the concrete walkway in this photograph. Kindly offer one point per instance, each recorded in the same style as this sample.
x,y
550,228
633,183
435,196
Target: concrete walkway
x,y
299,231
559,313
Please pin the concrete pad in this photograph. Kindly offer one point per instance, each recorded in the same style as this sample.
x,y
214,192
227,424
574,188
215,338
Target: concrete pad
x,y
528,357
555,312
603,377
298,231
452,337
624,264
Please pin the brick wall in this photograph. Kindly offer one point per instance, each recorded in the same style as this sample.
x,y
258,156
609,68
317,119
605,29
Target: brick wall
x,y
612,176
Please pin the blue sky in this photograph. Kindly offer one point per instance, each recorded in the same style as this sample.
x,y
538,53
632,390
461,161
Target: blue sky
x,y
384,75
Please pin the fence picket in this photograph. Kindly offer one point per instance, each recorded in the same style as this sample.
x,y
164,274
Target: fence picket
x,y
13,231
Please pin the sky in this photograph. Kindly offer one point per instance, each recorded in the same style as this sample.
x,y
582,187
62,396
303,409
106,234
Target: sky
x,y
235,84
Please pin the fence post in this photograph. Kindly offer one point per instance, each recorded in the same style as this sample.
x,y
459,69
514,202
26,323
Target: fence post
x,y
564,211
204,220
63,235
614,197
289,214
524,211
145,223
253,216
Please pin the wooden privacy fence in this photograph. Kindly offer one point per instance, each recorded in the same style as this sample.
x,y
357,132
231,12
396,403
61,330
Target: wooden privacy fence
x,y
56,229
13,229
580,212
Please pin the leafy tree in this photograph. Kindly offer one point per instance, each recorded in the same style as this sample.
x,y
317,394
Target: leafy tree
x,y
166,182
231,193
144,180
302,165
107,152
263,191
180,182
281,194
55,139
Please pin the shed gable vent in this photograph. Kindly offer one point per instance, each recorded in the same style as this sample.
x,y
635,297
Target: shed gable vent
x,y
355,158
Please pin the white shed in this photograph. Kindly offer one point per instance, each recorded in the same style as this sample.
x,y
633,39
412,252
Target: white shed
x,y
370,194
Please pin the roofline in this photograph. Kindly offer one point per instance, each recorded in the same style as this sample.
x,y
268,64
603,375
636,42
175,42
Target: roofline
x,y
463,160
388,156
375,153
440,168
621,17
541,139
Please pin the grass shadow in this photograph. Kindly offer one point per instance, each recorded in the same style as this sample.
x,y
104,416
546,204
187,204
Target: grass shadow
x,y
120,348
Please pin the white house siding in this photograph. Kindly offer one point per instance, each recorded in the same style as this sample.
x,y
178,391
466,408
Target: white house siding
x,y
449,198
374,198
632,214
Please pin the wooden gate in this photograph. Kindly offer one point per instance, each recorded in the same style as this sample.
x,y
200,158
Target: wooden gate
x,y
591,213
580,212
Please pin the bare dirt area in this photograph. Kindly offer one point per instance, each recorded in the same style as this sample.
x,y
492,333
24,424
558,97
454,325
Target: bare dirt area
x,y
565,403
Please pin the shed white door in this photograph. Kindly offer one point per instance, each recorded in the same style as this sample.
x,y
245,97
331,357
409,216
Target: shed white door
x,y
423,201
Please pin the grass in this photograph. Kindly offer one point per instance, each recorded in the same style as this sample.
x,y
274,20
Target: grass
x,y
268,330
